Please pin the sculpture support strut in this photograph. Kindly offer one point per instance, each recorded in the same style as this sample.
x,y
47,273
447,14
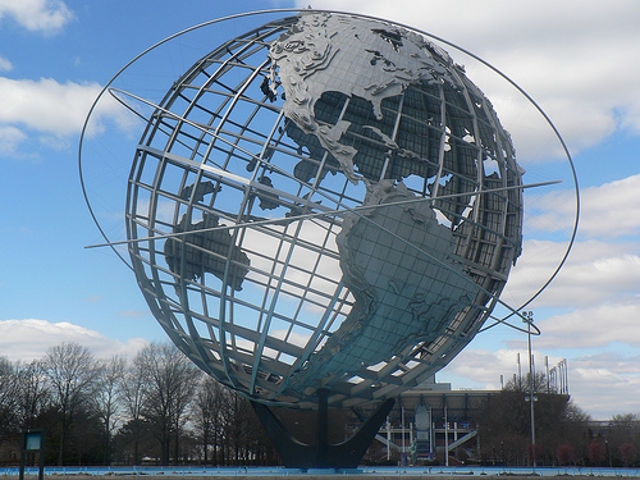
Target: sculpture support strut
x,y
296,454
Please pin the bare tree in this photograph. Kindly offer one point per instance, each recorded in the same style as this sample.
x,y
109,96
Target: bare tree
x,y
171,380
71,372
33,395
183,399
132,388
624,430
107,399
8,391
207,413
505,424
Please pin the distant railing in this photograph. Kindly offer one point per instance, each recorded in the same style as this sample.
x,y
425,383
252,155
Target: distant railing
x,y
278,472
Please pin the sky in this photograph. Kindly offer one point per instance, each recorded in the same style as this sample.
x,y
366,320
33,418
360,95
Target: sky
x,y
576,59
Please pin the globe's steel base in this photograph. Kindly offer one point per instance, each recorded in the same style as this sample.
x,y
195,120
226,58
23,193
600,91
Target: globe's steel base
x,y
296,454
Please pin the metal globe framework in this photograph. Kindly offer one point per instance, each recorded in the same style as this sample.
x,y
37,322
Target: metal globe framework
x,y
236,212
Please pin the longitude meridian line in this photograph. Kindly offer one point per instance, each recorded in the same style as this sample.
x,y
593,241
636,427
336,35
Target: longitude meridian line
x,y
394,137
504,168
150,252
272,235
281,235
274,298
443,136
473,318
223,294
176,131
259,347
321,251
247,192
314,188
295,316
479,172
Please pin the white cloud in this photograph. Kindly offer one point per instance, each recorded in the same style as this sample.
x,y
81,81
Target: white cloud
x,y
608,210
602,385
596,326
50,112
605,384
5,65
595,272
605,268
30,338
55,142
575,58
37,15
48,106
10,138
482,367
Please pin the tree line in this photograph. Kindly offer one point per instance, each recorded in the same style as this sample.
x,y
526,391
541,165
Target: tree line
x,y
564,434
157,408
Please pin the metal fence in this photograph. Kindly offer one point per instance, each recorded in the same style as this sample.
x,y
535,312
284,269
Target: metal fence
x,y
363,471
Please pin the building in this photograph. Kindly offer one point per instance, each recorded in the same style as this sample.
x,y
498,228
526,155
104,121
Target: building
x,y
431,419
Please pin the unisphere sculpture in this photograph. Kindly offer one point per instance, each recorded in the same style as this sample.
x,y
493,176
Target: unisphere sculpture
x,y
323,211
317,182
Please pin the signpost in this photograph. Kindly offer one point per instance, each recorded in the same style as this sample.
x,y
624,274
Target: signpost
x,y
32,440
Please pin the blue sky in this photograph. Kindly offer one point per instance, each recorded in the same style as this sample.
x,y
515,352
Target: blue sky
x,y
577,59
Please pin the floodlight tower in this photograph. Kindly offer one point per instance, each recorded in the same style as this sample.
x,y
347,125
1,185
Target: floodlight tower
x,y
528,319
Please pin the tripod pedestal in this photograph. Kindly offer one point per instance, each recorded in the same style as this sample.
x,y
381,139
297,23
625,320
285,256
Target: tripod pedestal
x,y
296,454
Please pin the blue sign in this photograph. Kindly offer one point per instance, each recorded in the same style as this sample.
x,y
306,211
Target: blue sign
x,y
33,441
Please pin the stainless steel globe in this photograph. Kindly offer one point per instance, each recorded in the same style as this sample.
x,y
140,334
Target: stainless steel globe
x,y
330,203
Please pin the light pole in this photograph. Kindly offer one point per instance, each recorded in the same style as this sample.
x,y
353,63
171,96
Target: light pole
x,y
528,319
